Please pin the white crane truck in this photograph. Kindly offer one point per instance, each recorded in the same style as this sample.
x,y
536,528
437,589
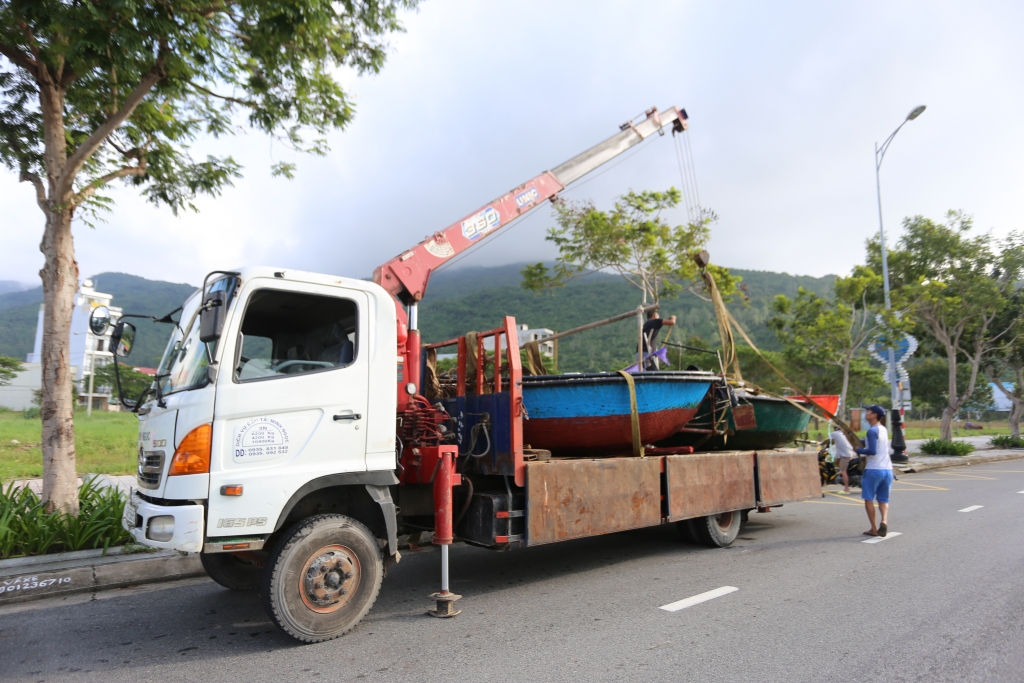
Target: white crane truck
x,y
287,440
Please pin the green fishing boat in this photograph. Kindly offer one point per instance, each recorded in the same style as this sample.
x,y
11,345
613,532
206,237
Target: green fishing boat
x,y
777,423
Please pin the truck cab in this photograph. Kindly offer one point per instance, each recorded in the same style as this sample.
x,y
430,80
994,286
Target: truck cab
x,y
274,402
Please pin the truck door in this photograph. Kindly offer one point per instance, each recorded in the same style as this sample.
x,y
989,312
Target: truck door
x,y
291,400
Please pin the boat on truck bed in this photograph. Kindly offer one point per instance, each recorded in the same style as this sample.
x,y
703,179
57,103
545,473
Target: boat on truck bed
x,y
590,413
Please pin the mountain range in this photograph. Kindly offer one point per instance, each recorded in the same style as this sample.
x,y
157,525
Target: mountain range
x,y
460,300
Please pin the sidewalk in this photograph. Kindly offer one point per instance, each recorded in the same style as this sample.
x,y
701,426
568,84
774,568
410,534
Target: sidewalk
x,y
919,462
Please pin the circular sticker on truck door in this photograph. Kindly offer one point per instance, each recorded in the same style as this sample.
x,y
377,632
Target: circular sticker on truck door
x,y
261,438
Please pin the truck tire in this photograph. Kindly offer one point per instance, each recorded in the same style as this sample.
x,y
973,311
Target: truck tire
x,y
231,571
685,531
717,531
322,578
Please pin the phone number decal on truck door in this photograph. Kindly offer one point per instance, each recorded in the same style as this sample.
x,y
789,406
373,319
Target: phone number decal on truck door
x,y
261,438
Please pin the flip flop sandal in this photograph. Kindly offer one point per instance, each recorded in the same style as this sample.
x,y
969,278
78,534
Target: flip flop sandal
x,y
868,533
883,529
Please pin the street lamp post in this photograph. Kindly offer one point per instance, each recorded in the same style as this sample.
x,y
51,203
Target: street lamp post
x,y
897,400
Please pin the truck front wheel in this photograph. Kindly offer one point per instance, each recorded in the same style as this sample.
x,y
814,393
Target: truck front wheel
x,y
717,531
322,578
231,571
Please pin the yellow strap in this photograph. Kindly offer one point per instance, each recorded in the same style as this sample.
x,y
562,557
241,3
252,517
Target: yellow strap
x,y
535,362
638,449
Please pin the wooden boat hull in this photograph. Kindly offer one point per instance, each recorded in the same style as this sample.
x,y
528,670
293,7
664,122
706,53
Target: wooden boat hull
x,y
590,414
779,423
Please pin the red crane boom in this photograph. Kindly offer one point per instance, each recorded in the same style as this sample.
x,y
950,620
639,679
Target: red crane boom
x,y
406,276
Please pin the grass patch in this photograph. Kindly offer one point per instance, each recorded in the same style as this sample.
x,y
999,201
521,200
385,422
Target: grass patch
x,y
104,443
27,529
940,447
1007,441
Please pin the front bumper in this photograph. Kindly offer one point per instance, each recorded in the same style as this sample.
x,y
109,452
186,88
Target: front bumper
x,y
188,524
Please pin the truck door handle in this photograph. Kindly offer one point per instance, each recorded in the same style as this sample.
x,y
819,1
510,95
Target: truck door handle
x,y
349,416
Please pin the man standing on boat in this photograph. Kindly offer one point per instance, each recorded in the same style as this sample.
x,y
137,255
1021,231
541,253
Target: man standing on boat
x,y
650,334
876,480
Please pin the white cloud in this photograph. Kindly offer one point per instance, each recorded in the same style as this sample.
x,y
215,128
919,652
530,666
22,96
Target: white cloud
x,y
786,101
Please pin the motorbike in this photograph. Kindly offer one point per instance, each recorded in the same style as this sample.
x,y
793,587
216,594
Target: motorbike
x,y
829,470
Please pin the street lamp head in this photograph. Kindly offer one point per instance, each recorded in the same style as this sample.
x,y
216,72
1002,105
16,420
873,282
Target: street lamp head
x,y
917,112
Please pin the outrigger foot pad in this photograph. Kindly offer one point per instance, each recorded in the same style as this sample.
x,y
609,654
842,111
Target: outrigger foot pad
x,y
445,605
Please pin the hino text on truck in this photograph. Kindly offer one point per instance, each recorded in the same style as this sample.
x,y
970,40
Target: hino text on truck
x,y
289,437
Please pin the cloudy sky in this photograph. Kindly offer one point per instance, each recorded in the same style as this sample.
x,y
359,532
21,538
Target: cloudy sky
x,y
785,100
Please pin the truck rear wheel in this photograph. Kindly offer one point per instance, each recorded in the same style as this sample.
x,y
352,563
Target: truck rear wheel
x,y
717,531
231,571
322,578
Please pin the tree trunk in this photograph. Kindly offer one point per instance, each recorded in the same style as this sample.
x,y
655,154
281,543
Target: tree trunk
x,y
842,411
1016,409
952,399
60,283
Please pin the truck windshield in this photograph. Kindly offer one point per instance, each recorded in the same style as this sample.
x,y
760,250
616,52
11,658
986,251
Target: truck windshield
x,y
186,358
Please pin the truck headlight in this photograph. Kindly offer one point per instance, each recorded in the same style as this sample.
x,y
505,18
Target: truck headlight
x,y
160,528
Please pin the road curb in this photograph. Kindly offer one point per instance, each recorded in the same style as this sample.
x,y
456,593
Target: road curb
x,y
47,576
960,462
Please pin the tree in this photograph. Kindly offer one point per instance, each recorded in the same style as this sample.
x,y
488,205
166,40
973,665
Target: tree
x,y
1008,360
103,90
632,240
929,381
9,367
816,330
133,382
955,287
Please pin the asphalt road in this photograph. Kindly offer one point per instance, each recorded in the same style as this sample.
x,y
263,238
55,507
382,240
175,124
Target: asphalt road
x,y
941,602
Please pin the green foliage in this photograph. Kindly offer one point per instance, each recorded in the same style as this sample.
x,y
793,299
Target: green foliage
x,y
127,86
632,240
9,368
133,382
929,382
1007,441
954,288
821,335
944,447
27,529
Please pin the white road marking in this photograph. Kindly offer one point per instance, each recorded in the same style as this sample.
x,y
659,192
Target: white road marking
x,y
972,508
697,599
1020,491
879,539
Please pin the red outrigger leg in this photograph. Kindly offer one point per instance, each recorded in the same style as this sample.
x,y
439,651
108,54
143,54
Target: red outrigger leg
x,y
444,480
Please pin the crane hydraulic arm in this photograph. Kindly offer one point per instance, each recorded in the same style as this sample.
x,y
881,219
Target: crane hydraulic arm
x,y
406,276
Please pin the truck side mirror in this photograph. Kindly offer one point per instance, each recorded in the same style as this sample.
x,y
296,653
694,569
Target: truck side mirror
x,y
122,339
99,320
211,316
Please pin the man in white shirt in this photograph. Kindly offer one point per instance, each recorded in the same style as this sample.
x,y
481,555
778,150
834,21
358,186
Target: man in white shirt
x,y
842,453
876,479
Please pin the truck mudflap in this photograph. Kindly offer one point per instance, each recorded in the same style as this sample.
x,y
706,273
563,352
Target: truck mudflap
x,y
787,477
183,531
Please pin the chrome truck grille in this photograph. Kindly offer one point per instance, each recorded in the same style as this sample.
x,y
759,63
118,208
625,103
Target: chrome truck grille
x,y
151,467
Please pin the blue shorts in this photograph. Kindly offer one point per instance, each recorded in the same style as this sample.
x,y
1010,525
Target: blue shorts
x,y
875,485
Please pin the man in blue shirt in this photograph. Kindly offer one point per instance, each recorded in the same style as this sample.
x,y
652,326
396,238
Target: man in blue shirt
x,y
876,481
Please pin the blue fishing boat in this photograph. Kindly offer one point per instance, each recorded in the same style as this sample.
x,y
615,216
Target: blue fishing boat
x,y
590,413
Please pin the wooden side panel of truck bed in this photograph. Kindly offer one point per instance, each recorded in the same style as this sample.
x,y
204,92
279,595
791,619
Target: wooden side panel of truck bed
x,y
568,499
708,484
787,476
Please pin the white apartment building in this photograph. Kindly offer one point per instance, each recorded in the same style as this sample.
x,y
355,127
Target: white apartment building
x,y
87,350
